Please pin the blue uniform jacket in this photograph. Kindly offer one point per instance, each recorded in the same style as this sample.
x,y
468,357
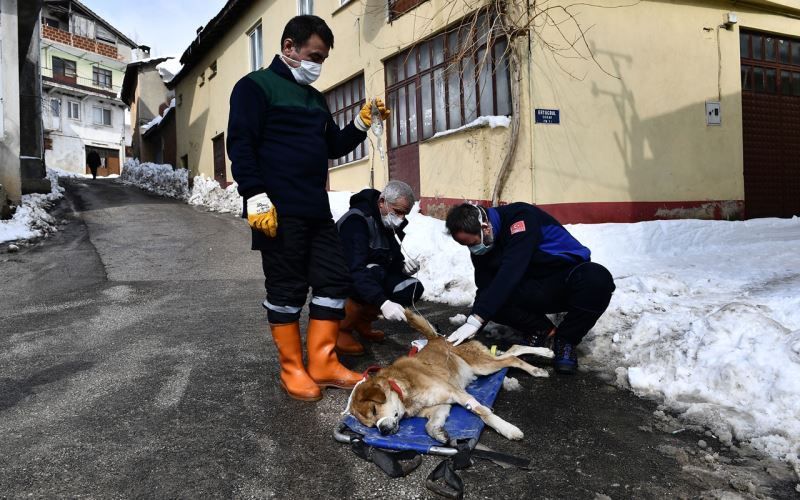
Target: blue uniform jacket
x,y
529,242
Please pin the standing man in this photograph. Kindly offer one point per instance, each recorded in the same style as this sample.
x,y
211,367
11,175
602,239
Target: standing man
x,y
94,162
527,265
280,137
372,232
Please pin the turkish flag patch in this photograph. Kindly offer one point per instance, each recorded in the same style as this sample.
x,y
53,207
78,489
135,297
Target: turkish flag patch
x,y
518,227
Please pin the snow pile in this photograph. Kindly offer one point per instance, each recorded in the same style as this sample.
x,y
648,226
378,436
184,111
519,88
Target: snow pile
x,y
706,316
481,121
207,192
31,219
155,121
159,179
169,68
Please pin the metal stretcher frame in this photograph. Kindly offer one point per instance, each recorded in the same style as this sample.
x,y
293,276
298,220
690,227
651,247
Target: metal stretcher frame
x,y
460,425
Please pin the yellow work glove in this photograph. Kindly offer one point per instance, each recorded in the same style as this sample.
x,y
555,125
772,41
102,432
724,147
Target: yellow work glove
x,y
261,214
364,119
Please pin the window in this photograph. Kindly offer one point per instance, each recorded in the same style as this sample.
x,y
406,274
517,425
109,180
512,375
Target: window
x,y
344,102
74,110
256,55
305,7
64,70
212,68
53,23
446,82
101,116
101,77
105,35
770,64
55,107
82,26
399,7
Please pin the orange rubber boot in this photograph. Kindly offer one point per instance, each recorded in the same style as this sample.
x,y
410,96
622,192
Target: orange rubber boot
x,y
363,326
294,378
323,365
346,343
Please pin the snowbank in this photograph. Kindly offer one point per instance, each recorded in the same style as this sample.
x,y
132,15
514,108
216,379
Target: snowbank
x,y
159,179
31,218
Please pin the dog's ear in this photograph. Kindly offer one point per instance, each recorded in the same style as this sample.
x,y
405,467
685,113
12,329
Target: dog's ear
x,y
373,392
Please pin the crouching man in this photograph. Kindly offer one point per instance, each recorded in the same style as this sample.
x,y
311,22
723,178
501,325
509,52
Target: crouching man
x,y
526,266
372,234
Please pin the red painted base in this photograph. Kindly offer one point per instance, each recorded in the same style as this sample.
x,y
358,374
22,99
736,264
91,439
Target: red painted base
x,y
598,212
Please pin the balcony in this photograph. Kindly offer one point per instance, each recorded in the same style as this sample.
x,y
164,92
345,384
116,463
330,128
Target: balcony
x,y
81,42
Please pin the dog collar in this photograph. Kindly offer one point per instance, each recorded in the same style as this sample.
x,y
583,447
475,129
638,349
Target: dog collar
x,y
396,388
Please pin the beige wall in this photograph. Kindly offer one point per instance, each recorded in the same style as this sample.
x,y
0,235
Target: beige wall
x,y
633,126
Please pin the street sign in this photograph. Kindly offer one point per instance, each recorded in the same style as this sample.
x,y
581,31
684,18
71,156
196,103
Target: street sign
x,y
547,116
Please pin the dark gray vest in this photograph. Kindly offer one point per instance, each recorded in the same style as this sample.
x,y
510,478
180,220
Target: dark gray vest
x,y
377,238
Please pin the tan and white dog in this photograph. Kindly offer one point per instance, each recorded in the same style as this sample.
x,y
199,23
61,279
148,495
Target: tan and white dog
x,y
427,384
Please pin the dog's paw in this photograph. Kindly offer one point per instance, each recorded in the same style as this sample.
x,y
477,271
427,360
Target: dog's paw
x,y
439,434
508,431
539,372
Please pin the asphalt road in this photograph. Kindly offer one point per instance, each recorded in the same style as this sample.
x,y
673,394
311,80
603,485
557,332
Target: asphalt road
x,y
135,362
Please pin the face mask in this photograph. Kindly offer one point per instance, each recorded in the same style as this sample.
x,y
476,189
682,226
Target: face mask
x,y
480,248
307,73
391,221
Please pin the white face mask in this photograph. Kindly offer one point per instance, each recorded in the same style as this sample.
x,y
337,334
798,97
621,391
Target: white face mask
x,y
484,246
392,220
307,73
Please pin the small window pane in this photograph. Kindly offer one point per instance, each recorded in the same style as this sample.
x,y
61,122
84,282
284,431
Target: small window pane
x,y
391,72
747,83
424,56
470,90
485,86
796,53
412,113
339,98
769,45
758,52
744,45
401,69
403,119
783,50
411,63
55,107
772,81
427,106
501,80
483,29
106,117
758,79
452,44
454,96
439,100
786,83
796,84
438,50
393,118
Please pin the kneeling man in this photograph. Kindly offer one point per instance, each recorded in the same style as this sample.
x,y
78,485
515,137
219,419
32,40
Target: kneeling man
x,y
372,234
526,266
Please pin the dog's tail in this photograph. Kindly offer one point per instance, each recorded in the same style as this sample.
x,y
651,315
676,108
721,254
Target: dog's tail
x,y
421,325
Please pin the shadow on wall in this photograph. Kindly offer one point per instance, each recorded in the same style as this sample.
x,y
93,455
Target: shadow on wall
x,y
652,152
195,134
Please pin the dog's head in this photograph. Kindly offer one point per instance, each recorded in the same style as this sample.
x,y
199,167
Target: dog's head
x,y
375,404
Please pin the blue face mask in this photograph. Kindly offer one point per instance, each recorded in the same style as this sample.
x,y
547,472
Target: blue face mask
x,y
480,248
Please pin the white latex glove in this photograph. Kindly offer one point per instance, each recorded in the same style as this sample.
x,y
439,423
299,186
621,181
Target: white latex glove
x,y
393,311
466,331
410,266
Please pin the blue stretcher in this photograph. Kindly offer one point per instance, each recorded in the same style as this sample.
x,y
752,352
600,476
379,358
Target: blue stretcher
x,y
460,425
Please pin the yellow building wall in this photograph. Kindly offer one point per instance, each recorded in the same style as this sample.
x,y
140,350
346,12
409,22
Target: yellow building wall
x,y
633,123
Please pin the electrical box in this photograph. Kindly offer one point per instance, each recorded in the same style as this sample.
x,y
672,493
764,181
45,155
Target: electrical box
x,y
713,113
